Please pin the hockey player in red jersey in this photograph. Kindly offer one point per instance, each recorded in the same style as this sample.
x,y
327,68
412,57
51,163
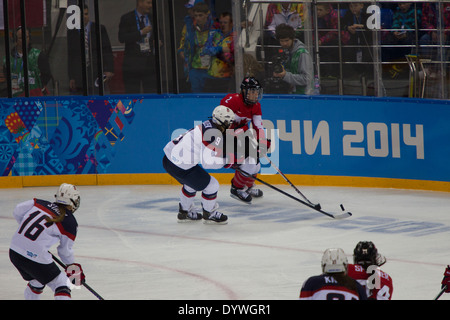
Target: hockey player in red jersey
x,y
41,225
445,283
333,283
366,270
247,108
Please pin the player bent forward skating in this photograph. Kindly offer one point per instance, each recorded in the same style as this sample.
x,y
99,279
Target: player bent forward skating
x,y
186,159
41,225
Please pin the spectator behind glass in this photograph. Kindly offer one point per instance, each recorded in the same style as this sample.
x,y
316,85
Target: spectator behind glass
x,y
359,40
298,70
193,43
292,14
327,21
288,13
220,46
253,68
39,73
430,17
403,34
136,31
188,28
90,43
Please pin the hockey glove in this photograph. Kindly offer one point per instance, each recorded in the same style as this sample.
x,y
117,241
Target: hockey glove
x,y
230,161
75,274
380,260
446,280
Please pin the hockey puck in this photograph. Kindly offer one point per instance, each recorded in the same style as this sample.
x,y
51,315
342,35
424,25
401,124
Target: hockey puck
x,y
342,207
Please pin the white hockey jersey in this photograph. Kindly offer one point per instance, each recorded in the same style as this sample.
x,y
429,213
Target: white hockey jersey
x,y
199,145
325,287
35,236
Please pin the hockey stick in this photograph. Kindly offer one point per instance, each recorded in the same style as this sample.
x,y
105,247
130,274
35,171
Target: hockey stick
x,y
441,292
83,283
317,206
331,215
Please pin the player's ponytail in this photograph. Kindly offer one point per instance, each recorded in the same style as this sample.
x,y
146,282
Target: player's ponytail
x,y
60,217
343,279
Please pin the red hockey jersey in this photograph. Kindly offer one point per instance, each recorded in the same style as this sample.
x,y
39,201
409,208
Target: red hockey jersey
x,y
243,113
378,285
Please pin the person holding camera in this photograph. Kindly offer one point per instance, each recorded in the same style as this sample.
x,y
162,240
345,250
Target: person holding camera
x,y
298,70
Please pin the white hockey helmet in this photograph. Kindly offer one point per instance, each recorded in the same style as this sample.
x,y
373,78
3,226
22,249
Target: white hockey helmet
x,y
223,116
334,260
68,194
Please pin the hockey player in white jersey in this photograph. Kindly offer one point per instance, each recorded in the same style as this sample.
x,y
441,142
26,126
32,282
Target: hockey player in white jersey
x,y
186,159
42,224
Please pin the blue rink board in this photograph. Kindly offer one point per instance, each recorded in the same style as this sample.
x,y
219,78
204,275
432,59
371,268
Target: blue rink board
x,y
319,135
379,135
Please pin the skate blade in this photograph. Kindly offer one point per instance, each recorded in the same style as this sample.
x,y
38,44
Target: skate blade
x,y
187,220
212,222
237,198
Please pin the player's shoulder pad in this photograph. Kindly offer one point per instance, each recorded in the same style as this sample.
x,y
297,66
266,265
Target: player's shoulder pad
x,y
46,206
211,135
207,125
314,283
70,225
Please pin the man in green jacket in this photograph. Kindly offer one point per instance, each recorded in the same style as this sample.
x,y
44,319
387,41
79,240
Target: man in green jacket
x,y
39,73
298,71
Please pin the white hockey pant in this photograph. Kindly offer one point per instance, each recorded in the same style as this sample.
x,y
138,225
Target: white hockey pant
x,y
60,286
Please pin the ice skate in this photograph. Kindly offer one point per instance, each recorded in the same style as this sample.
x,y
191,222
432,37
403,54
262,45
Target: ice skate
x,y
214,217
240,194
255,192
188,215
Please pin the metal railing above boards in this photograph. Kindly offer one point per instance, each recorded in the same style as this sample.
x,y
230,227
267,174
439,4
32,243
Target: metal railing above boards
x,y
377,48
27,62
68,46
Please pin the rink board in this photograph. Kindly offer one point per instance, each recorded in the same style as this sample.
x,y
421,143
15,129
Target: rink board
x,y
320,140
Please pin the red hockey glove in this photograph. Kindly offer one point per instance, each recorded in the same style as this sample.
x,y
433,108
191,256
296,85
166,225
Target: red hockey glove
x,y
75,274
446,280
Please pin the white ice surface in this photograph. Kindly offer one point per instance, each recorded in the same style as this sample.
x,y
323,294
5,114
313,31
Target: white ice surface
x,y
131,246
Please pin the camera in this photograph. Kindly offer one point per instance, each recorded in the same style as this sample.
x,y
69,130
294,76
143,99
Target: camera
x,y
276,65
279,60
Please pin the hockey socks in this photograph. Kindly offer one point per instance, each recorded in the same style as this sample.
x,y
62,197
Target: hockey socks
x,y
242,188
32,292
240,181
239,185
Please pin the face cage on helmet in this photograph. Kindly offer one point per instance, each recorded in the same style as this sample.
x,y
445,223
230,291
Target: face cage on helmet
x,y
245,95
75,204
222,126
364,262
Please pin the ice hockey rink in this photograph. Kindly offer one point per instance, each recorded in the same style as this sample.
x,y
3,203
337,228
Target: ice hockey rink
x,y
132,248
